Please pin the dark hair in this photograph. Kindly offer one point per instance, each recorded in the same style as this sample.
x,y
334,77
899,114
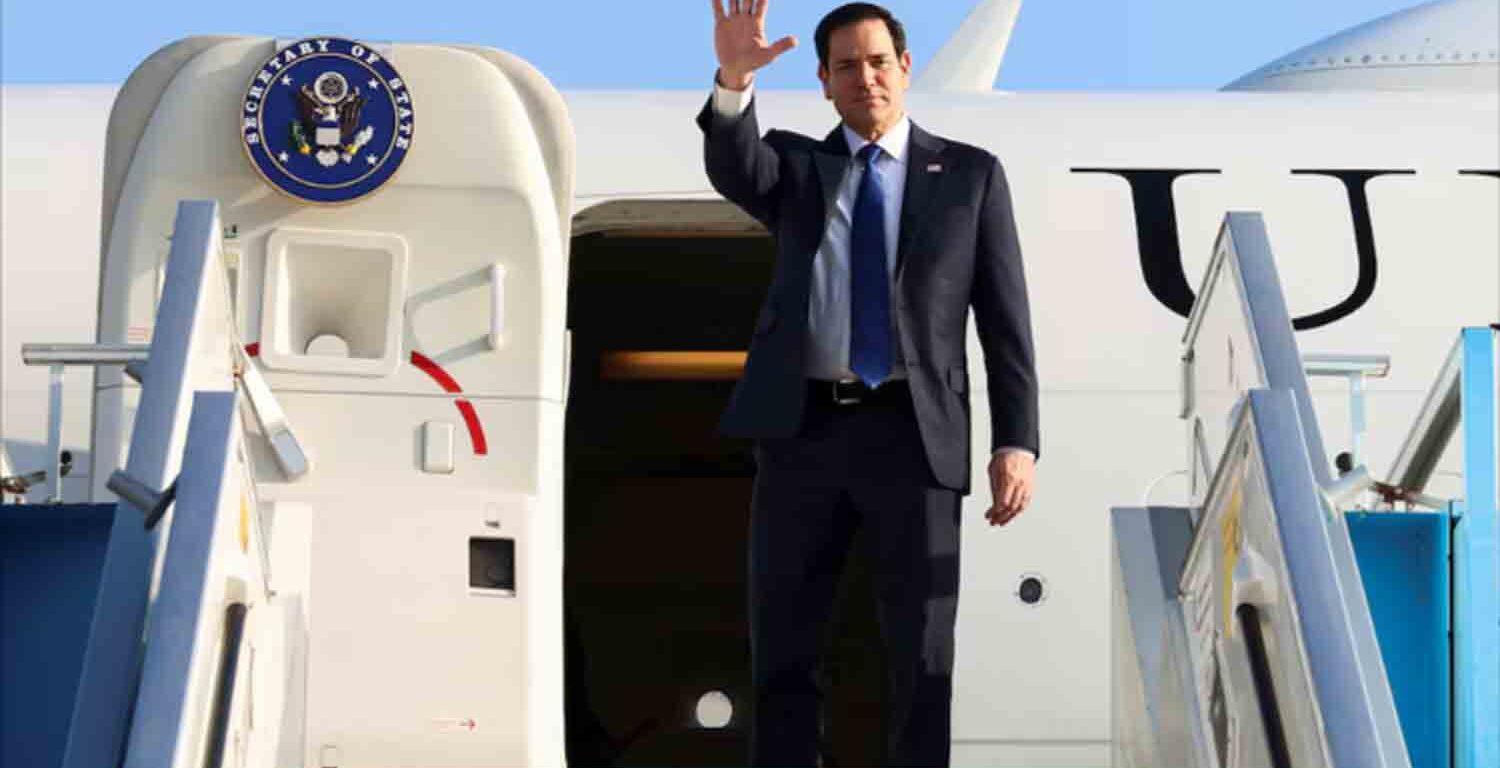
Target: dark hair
x,y
853,13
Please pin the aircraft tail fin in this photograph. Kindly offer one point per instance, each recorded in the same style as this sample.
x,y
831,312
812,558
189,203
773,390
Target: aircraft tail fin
x,y
970,60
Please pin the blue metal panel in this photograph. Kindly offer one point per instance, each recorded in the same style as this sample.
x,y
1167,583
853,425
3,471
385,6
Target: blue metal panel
x,y
50,559
1476,567
1403,562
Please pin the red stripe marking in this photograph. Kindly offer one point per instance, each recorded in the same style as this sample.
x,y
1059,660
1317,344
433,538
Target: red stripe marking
x,y
436,372
476,430
465,408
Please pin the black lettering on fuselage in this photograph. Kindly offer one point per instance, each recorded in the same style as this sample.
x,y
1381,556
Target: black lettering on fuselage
x,y
1160,249
1156,231
1364,245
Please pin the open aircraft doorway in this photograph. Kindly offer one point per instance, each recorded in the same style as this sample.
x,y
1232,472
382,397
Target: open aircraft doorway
x,y
662,298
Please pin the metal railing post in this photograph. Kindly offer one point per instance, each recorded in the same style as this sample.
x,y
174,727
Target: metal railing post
x,y
54,432
57,357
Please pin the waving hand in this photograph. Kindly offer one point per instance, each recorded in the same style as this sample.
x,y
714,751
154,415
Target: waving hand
x,y
740,41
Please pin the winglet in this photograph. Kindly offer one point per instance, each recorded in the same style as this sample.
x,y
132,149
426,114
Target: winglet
x,y
970,60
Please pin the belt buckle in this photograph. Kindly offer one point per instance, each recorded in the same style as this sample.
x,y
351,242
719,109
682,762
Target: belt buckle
x,y
838,399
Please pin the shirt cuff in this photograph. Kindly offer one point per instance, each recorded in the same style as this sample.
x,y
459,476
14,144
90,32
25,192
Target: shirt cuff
x,y
731,104
1004,449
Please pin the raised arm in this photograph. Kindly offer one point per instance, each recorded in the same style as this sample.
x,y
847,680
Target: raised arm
x,y
740,166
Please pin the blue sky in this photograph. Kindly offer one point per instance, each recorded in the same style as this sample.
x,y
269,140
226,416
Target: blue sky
x,y
597,44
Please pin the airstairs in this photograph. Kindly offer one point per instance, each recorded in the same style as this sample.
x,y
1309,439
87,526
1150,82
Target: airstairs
x,y
1299,613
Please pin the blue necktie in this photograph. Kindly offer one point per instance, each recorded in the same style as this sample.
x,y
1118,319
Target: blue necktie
x,y
869,287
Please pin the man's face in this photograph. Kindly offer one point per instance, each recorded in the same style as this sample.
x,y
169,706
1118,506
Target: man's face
x,y
864,78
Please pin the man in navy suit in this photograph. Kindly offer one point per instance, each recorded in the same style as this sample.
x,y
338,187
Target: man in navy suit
x,y
856,384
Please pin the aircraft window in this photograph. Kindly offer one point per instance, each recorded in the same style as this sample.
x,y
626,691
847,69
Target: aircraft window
x,y
1032,589
715,710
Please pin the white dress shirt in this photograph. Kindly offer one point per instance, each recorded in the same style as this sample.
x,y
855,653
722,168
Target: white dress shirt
x,y
828,305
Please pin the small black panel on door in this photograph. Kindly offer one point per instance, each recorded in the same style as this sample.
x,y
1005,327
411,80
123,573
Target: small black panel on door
x,y
492,565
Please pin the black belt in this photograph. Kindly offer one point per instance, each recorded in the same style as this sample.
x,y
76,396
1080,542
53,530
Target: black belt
x,y
824,392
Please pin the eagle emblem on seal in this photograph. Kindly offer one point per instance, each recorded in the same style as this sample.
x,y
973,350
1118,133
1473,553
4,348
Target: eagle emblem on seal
x,y
328,122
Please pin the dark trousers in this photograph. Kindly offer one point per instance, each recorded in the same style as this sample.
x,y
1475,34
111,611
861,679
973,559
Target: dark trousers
x,y
851,468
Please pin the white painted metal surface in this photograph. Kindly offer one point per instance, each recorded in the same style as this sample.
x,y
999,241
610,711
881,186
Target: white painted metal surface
x,y
970,61
1448,45
49,262
400,275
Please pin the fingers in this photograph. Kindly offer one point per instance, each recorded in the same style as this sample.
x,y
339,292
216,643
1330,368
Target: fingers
x,y
756,8
1004,513
997,516
783,45
719,14
1014,492
1000,514
1012,480
1011,494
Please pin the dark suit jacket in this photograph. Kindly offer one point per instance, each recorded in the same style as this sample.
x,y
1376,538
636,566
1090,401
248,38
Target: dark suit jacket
x,y
957,248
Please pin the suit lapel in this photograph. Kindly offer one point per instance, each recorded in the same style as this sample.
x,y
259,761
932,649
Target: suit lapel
x,y
832,161
925,170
